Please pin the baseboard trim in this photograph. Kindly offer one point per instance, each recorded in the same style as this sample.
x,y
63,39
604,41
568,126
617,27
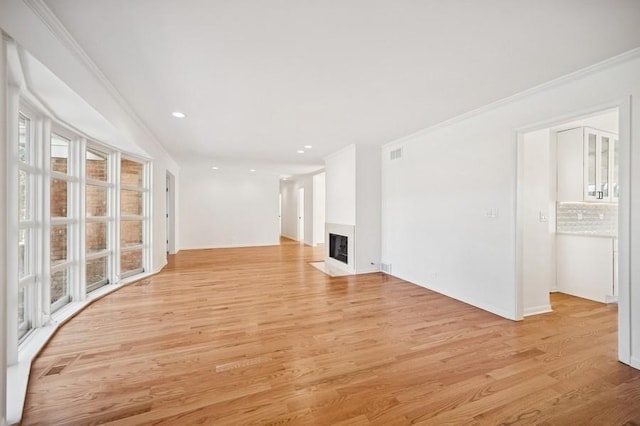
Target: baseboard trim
x,y
635,362
536,310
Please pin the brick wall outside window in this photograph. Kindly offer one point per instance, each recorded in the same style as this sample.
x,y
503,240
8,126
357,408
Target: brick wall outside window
x,y
131,231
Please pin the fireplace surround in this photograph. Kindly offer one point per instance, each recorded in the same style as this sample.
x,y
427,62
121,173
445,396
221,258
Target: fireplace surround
x,y
340,246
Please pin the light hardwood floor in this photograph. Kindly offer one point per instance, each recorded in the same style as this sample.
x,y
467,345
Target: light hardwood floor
x,y
258,336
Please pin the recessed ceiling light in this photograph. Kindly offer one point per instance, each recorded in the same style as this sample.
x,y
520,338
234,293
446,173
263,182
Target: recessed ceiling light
x,y
308,147
214,168
300,151
178,114
284,178
252,170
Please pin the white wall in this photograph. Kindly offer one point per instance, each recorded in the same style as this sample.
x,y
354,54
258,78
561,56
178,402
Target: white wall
x,y
340,178
353,198
368,202
220,208
538,255
3,236
319,207
435,227
626,268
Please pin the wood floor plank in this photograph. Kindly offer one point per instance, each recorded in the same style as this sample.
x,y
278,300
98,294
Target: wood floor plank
x,y
258,336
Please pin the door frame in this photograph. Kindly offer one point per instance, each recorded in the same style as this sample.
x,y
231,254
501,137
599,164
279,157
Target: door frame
x,y
300,209
624,215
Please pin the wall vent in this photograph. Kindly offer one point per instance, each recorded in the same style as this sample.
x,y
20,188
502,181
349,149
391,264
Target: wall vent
x,y
396,154
386,267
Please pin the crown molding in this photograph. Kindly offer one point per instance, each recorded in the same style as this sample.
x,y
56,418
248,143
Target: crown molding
x,y
576,75
51,21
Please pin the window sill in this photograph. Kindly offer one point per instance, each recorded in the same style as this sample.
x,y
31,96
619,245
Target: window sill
x,y
18,374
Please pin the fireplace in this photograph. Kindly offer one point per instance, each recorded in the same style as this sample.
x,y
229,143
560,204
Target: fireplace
x,y
338,247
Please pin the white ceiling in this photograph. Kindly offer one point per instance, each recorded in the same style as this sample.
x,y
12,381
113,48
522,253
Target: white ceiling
x,y
259,79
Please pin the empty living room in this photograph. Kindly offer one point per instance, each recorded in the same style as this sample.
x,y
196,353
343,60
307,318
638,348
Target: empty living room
x,y
319,212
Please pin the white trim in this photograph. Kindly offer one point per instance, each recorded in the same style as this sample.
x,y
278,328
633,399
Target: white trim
x,y
634,362
4,248
535,310
576,75
50,20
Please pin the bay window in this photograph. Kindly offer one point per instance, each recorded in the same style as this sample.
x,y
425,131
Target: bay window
x,y
81,211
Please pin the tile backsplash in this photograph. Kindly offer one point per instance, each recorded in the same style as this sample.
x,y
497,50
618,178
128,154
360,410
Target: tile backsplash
x,y
587,218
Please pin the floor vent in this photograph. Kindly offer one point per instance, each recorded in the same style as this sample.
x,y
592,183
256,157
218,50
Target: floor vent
x,y
396,154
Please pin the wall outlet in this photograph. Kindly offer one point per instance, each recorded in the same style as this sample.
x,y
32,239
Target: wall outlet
x,y
492,213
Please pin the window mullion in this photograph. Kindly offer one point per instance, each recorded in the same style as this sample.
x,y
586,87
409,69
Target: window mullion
x,y
44,299
81,211
116,169
147,212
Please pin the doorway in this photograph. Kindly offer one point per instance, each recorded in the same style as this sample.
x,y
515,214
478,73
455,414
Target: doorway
x,y
573,213
300,233
170,213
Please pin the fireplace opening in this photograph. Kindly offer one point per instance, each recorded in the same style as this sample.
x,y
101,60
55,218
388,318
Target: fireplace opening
x,y
338,247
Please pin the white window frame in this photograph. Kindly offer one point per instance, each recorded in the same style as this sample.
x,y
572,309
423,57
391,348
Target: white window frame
x,y
144,218
39,311
109,220
71,220
33,169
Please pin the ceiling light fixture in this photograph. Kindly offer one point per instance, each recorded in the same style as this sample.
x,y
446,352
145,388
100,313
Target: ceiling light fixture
x,y
308,147
178,114
214,168
300,151
252,170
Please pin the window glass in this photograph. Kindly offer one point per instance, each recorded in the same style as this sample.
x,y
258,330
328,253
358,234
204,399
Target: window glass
x,y
591,165
616,169
604,166
59,242
24,193
131,173
96,273
96,201
96,237
130,233
24,249
21,294
131,202
24,126
130,260
59,285
96,165
59,200
59,154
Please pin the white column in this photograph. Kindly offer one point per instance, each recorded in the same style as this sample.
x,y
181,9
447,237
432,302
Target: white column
x,y
631,257
11,194
3,234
